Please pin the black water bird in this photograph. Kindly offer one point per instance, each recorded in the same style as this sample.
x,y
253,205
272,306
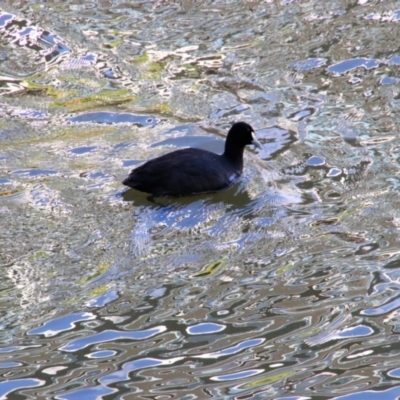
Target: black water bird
x,y
193,171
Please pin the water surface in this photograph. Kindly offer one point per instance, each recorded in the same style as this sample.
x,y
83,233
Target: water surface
x,y
284,286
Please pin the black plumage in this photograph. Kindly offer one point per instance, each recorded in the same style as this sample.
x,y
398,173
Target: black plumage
x,y
191,171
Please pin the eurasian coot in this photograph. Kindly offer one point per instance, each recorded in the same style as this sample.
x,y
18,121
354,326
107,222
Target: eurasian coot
x,y
192,171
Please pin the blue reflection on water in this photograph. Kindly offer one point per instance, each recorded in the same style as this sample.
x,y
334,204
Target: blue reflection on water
x,y
384,309
355,331
7,387
127,368
348,65
111,335
103,299
310,63
389,394
5,19
395,373
205,328
64,323
94,392
11,349
105,117
10,364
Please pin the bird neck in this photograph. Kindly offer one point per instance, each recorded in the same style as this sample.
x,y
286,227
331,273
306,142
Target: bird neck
x,y
234,153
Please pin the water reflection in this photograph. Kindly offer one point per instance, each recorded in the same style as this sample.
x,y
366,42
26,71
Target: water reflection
x,y
284,286
104,117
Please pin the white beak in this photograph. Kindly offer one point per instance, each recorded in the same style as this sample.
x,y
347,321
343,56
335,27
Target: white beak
x,y
255,141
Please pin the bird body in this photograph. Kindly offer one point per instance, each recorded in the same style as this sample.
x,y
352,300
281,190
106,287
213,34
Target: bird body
x,y
193,171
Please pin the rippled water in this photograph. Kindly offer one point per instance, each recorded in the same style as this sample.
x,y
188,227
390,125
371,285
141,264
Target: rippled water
x,y
284,286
